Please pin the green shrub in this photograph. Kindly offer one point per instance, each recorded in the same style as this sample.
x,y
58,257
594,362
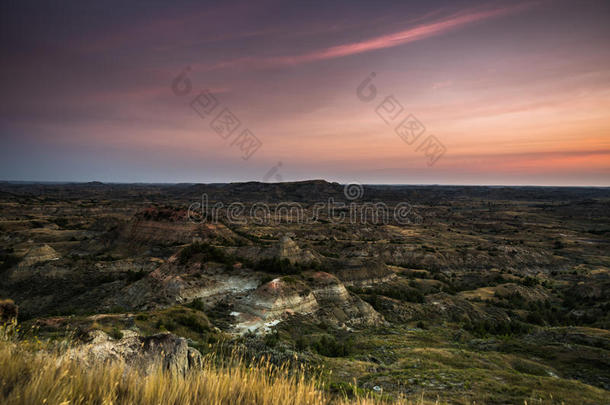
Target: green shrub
x,y
197,304
528,367
272,339
492,327
529,281
300,344
193,323
330,347
115,333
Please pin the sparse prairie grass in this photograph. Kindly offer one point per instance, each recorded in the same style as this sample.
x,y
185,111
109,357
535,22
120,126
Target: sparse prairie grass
x,y
36,373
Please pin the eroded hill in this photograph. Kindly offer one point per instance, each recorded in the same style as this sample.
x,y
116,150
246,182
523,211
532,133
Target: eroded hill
x,y
501,293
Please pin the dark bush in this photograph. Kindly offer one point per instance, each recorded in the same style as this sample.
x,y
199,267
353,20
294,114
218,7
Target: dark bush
x,y
277,266
272,339
133,276
8,261
300,344
193,323
197,304
529,281
492,327
210,253
115,333
330,347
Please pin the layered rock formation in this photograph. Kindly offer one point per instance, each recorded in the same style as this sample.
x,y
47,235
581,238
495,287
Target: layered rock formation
x,y
338,306
285,248
364,273
288,249
277,297
324,297
39,254
171,284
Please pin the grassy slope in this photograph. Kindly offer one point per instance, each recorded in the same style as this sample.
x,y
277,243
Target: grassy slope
x,y
430,360
32,372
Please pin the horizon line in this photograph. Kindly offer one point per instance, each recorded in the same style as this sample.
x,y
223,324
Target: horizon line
x,y
295,181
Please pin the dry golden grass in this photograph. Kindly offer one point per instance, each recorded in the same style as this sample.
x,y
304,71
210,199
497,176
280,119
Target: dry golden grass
x,y
31,373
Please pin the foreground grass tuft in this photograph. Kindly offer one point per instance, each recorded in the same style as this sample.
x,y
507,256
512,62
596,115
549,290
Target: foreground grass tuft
x,y
32,373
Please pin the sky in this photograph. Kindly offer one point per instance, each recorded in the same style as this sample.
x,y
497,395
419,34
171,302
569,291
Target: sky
x,y
392,92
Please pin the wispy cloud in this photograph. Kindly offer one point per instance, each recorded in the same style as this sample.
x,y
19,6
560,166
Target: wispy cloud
x,y
391,40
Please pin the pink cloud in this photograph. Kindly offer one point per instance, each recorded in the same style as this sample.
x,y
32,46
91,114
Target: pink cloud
x,y
381,42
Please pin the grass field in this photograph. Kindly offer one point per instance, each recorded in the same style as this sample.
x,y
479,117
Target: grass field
x,y
34,372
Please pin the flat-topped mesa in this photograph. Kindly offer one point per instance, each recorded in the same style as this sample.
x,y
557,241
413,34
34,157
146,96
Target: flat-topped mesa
x,y
156,227
309,190
364,273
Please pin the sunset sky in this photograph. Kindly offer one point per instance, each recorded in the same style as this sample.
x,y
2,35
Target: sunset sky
x,y
517,92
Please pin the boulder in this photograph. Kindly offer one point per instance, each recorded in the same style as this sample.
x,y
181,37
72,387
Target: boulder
x,y
145,354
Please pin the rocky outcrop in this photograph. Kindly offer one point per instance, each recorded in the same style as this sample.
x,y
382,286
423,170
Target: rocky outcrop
x,y
364,273
279,296
39,254
527,295
286,248
143,354
156,226
171,284
323,297
338,306
142,232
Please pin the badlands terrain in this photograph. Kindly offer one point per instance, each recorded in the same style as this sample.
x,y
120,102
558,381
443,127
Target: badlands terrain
x,y
469,294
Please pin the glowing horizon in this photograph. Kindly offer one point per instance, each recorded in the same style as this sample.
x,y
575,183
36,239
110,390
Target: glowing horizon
x,y
517,92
